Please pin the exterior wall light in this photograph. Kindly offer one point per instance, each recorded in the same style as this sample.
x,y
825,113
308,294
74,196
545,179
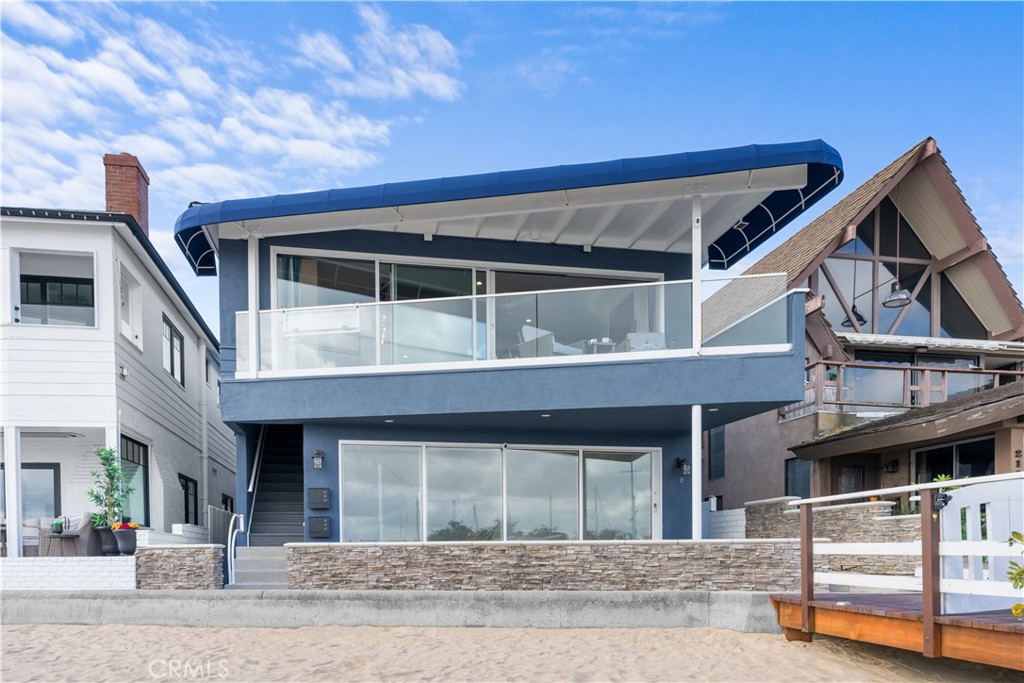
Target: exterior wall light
x,y
684,466
318,459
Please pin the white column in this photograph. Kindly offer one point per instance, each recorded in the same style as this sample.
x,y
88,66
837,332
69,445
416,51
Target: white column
x,y
696,472
696,262
12,488
254,304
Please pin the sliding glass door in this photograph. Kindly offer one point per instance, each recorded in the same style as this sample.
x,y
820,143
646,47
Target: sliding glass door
x,y
491,493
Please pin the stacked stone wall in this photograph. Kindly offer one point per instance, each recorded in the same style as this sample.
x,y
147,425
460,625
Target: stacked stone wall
x,y
180,567
611,566
871,522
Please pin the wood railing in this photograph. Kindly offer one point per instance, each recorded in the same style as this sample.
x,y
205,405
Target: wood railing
x,y
966,536
856,387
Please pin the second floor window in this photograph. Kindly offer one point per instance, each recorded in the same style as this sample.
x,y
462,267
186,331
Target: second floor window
x,y
56,289
174,352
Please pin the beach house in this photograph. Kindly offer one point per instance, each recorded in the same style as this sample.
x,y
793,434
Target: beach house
x,y
914,349
510,356
100,346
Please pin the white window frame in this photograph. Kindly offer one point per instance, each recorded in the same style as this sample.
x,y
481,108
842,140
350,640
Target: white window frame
x,y
656,503
16,286
130,298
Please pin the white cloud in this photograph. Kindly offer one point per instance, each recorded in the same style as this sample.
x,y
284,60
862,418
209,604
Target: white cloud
x,y
398,63
320,49
32,17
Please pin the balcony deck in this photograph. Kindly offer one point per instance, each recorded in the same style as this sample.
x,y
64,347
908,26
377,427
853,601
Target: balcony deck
x,y
895,619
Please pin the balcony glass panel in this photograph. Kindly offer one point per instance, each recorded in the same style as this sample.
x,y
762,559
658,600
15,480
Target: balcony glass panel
x,y
242,341
872,386
562,323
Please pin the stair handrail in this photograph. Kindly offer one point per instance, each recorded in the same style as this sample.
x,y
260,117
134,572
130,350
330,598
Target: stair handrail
x,y
258,462
235,526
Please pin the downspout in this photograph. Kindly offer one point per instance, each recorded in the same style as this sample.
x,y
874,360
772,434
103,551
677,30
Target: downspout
x,y
696,426
204,455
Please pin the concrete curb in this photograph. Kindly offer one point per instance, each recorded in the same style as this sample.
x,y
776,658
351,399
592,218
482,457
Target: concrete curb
x,y
749,612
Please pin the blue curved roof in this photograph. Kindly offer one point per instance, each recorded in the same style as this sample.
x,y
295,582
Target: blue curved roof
x,y
825,172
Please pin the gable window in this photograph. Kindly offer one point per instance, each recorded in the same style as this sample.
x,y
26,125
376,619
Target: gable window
x,y
716,452
190,491
135,465
857,277
56,289
174,352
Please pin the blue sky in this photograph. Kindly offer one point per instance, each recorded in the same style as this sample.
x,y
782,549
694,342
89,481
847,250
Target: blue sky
x,y
224,100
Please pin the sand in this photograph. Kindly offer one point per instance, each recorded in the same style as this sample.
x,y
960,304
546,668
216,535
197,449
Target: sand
x,y
334,653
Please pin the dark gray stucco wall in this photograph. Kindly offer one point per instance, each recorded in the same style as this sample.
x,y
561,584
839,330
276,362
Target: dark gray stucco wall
x,y
675,495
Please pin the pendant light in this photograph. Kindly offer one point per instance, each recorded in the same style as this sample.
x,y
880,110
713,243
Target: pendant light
x,y
853,309
898,297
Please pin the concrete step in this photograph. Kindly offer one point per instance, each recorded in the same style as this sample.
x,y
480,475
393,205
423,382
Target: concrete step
x,y
257,586
260,576
264,552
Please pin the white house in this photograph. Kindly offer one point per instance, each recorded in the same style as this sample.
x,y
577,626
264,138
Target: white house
x,y
100,346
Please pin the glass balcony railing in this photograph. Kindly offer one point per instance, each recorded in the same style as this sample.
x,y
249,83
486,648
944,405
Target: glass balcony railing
x,y
561,323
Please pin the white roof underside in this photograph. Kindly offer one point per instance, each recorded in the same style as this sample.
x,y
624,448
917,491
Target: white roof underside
x,y
649,216
934,343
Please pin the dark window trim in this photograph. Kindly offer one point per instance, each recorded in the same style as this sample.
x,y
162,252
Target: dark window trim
x,y
55,466
188,483
128,444
175,334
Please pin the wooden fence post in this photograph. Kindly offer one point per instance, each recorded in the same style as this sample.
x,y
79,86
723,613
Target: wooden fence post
x,y
931,596
806,569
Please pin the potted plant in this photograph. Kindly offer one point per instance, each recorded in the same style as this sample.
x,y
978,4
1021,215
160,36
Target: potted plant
x,y
109,492
124,533
57,525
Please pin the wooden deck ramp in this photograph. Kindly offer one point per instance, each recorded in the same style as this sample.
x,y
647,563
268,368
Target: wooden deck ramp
x,y
960,606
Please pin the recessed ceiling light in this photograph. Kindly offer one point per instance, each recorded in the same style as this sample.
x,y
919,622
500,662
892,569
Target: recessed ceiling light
x,y
389,421
712,410
545,414
529,320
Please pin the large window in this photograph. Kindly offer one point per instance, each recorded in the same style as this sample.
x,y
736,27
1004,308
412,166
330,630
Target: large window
x,y
135,465
40,490
56,289
174,352
190,492
484,493
974,458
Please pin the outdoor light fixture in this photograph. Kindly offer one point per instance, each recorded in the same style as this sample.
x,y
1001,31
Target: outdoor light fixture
x,y
861,320
684,466
898,297
318,459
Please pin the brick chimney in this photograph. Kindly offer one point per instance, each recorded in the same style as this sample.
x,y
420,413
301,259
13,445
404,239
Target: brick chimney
x,y
127,187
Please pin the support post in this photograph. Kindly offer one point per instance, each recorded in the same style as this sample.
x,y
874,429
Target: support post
x,y
930,594
806,569
254,304
12,488
696,263
696,473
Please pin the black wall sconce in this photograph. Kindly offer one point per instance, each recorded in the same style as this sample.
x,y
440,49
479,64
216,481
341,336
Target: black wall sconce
x,y
684,466
318,459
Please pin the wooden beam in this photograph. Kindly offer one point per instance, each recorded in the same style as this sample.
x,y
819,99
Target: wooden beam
x,y
984,646
980,246
931,598
806,569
